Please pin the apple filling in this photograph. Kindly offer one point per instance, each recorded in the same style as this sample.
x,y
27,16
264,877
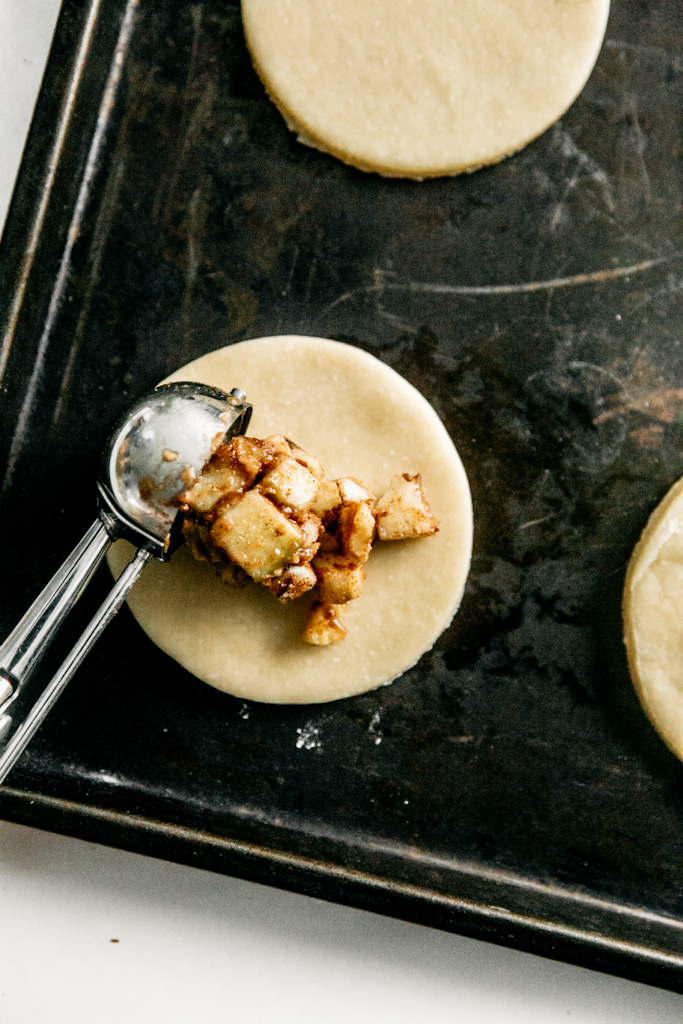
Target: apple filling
x,y
262,510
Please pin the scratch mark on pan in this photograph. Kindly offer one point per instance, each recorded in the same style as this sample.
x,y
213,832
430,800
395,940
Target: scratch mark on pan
x,y
46,190
397,321
193,119
167,195
378,277
537,522
91,168
558,210
434,288
641,49
284,294
586,167
196,12
100,236
602,371
624,236
195,223
638,141
312,269
672,286
290,276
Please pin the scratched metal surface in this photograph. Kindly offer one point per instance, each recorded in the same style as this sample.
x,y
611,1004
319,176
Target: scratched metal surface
x,y
509,785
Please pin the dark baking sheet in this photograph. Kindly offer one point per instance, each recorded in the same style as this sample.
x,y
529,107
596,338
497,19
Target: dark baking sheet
x,y
509,786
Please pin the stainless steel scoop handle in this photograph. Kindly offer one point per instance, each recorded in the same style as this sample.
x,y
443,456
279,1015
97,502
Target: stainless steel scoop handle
x,y
147,463
45,702
24,647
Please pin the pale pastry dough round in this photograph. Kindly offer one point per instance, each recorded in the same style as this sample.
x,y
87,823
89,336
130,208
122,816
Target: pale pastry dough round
x,y
359,418
653,618
418,88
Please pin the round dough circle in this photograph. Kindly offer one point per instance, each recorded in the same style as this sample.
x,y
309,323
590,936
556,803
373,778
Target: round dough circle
x,y
359,418
653,623
419,88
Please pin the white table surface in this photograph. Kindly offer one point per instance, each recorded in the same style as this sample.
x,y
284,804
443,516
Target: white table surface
x,y
91,935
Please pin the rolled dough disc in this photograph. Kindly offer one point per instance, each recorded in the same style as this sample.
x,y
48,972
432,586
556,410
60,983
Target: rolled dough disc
x,y
359,418
653,618
418,88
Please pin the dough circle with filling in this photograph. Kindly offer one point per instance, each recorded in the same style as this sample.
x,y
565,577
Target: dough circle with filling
x,y
418,88
359,418
653,618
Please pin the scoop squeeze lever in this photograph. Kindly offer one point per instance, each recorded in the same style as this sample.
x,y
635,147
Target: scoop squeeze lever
x,y
152,456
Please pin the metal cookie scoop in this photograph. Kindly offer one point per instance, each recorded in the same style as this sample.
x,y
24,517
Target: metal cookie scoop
x,y
151,457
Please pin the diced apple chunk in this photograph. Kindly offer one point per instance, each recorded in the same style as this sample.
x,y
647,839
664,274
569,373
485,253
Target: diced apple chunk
x,y
290,483
311,528
324,625
294,581
327,498
256,535
222,479
279,444
311,464
339,579
251,454
356,530
351,489
402,511
230,471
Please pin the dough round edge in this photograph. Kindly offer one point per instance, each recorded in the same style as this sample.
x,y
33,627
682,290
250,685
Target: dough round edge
x,y
308,135
364,361
637,566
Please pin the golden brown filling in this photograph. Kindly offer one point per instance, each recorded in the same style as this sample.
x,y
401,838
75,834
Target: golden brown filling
x,y
263,510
